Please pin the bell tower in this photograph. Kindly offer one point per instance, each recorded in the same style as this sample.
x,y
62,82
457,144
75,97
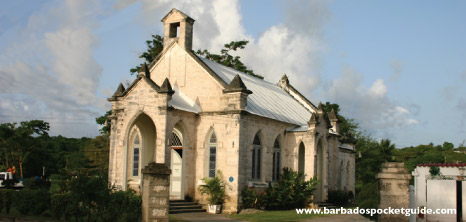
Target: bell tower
x,y
178,27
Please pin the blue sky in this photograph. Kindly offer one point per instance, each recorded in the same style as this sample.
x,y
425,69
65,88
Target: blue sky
x,y
397,67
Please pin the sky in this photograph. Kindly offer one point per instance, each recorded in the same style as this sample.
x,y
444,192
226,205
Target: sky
x,y
398,68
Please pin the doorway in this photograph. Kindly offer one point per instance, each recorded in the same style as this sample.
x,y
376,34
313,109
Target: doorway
x,y
176,165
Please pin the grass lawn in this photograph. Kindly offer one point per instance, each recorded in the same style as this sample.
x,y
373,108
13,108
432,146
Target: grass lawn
x,y
279,215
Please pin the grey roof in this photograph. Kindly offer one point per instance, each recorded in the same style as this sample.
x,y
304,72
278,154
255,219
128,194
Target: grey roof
x,y
267,99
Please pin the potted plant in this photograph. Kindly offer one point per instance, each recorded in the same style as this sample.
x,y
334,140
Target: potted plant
x,y
214,187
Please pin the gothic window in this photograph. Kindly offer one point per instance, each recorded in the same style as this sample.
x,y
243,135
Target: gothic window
x,y
136,146
175,141
212,154
276,160
256,158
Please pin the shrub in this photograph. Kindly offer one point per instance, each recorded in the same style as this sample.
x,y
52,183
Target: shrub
x,y
34,201
248,197
338,197
214,187
36,183
61,205
292,191
368,197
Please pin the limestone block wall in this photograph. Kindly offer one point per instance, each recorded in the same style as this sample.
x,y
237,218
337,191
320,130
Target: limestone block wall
x,y
226,129
142,98
196,83
268,130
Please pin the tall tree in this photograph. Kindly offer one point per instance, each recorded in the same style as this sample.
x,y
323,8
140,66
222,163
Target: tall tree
x,y
226,59
154,48
17,141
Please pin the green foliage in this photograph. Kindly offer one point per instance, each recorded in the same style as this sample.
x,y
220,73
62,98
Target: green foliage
x,y
348,127
154,48
214,187
34,201
434,171
34,184
61,205
103,121
6,199
368,197
338,197
228,60
291,191
248,198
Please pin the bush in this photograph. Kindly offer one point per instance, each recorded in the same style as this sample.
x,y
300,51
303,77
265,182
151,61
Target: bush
x,y
248,197
368,197
214,187
36,183
292,191
338,197
34,201
61,205
6,199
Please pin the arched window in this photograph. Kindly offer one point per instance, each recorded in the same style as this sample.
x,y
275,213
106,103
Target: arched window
x,y
276,160
212,154
136,146
347,176
256,158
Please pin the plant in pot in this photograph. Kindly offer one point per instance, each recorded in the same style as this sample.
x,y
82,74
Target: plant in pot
x,y
214,187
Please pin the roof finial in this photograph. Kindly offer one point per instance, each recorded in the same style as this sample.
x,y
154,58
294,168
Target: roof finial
x,y
166,87
144,70
332,116
237,85
320,108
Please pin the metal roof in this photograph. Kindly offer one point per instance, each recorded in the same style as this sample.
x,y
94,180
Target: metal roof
x,y
267,100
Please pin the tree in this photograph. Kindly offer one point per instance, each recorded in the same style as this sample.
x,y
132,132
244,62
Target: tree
x,y
103,121
348,127
154,48
18,141
228,60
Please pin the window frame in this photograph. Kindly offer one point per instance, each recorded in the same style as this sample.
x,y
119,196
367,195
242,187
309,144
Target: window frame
x,y
276,160
256,166
212,145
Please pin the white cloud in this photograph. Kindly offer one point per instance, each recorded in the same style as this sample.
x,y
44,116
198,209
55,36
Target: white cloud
x,y
48,71
371,107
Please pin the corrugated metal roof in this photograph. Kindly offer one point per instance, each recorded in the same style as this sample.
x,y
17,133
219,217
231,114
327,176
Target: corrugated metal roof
x,y
267,99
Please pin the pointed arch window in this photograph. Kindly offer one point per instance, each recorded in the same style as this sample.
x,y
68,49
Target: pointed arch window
x,y
256,158
212,154
136,149
276,160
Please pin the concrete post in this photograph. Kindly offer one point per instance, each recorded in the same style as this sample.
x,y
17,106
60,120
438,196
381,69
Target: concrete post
x,y
155,192
394,190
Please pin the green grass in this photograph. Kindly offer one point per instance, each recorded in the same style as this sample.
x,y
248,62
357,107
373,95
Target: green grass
x,y
282,215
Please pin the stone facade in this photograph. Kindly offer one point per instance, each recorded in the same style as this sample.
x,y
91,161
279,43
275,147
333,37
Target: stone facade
x,y
203,124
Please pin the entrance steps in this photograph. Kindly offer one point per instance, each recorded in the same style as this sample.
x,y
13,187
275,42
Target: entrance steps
x,y
183,206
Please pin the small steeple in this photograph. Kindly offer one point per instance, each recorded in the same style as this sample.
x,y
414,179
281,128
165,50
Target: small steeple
x,y
237,85
144,70
313,119
119,92
320,108
166,87
332,116
284,79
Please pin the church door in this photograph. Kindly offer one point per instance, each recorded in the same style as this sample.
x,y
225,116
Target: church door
x,y
176,165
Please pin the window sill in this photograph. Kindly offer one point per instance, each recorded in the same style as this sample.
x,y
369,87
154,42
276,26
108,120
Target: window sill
x,y
258,184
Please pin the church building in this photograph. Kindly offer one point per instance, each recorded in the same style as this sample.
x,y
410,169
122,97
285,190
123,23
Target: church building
x,y
200,117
